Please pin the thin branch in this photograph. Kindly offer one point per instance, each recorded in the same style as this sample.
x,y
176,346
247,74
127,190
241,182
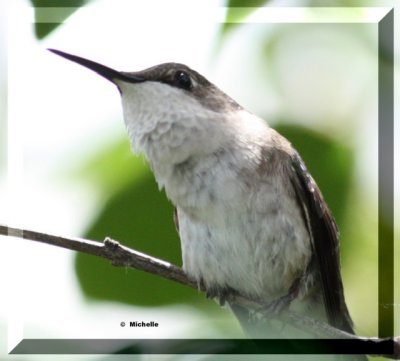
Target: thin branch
x,y
120,255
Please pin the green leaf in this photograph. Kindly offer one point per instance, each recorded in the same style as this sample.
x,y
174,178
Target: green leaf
x,y
49,14
113,167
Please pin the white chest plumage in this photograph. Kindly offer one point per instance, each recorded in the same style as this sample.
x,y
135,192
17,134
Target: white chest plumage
x,y
236,235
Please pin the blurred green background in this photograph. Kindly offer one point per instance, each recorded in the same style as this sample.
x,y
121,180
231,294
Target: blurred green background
x,y
316,84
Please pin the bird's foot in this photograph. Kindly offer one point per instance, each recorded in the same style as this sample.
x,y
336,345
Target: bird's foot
x,y
275,307
220,293
267,313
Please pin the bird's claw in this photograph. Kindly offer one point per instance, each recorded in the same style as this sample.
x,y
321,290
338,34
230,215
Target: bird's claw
x,y
222,294
277,306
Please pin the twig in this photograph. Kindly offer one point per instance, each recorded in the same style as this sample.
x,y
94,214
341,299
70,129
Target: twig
x,y
120,255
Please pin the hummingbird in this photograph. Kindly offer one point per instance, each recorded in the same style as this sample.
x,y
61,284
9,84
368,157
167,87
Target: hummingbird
x,y
250,217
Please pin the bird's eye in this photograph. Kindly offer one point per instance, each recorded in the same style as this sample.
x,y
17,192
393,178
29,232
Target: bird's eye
x,y
182,80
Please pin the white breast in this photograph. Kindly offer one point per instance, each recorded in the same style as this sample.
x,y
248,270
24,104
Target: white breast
x,y
234,234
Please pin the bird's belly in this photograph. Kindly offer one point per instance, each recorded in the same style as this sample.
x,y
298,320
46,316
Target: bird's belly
x,y
257,254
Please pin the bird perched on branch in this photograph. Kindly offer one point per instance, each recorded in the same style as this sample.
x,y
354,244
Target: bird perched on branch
x,y
251,218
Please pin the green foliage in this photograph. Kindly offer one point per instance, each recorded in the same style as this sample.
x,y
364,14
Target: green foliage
x,y
42,26
114,166
237,11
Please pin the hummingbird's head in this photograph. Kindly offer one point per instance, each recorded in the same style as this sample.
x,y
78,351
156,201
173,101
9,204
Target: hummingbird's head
x,y
171,111
174,112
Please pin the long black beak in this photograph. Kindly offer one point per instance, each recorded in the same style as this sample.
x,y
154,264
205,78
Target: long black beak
x,y
104,71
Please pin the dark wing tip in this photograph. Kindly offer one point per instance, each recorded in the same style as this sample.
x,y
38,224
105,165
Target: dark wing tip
x,y
325,242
